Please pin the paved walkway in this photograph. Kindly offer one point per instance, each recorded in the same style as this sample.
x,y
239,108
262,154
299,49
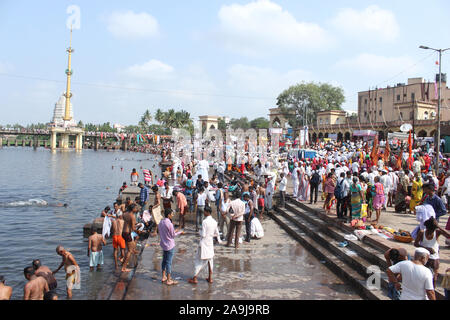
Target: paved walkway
x,y
275,267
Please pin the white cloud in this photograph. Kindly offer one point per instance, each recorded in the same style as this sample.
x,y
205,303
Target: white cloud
x,y
370,23
374,65
263,82
262,26
132,25
152,69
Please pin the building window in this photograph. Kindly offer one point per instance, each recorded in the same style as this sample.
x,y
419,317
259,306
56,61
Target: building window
x,y
365,101
365,113
381,99
398,97
381,112
425,115
413,96
411,115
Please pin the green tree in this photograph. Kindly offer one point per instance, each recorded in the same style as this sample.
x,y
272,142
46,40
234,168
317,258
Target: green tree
x,y
304,100
145,121
222,125
241,123
174,119
260,123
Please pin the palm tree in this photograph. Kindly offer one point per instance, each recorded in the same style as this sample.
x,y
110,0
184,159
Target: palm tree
x,y
159,115
145,120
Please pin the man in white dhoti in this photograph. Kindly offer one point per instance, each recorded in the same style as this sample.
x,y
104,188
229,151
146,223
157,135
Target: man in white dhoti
x,y
202,170
205,252
295,180
270,189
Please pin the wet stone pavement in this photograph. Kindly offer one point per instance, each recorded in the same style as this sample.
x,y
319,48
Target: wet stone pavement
x,y
275,267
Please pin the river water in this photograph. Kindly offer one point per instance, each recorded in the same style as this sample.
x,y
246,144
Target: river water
x,y
31,230
88,181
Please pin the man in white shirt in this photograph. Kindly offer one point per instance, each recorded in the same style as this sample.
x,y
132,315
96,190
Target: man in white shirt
x,y
205,251
355,167
394,182
386,182
417,280
345,187
372,175
202,200
282,188
237,211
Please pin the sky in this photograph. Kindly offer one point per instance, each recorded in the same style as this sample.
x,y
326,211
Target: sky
x,y
224,58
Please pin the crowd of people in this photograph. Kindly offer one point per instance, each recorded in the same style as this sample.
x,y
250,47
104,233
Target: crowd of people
x,y
355,180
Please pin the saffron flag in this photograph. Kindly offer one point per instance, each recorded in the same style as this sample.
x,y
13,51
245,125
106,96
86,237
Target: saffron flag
x,y
399,160
387,153
374,153
410,142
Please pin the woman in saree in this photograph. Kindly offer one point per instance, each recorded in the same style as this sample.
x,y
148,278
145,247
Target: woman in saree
x,y
417,192
357,198
303,188
330,184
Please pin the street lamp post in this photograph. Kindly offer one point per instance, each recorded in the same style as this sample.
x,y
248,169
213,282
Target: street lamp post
x,y
438,138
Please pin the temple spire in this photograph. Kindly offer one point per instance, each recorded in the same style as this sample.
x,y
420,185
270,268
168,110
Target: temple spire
x,y
68,94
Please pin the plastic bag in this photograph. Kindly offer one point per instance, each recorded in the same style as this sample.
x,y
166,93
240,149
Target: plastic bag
x,y
364,211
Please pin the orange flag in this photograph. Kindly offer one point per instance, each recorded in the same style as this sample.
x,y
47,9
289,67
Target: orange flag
x,y
399,160
387,153
410,158
374,153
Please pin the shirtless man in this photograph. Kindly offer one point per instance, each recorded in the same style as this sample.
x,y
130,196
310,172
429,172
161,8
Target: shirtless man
x,y
128,227
35,287
118,241
67,261
5,291
95,252
46,273
124,206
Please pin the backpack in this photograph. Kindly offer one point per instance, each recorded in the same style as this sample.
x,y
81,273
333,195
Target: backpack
x,y
315,179
339,190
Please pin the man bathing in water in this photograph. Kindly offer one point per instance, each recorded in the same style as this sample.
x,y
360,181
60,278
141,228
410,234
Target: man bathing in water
x,y
35,287
46,273
5,291
118,241
71,267
129,227
95,252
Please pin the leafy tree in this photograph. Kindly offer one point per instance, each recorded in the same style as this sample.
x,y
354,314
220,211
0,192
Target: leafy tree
x,y
222,124
241,123
304,100
260,123
146,119
105,127
174,119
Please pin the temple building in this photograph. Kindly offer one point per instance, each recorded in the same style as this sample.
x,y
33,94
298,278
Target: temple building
x,y
58,113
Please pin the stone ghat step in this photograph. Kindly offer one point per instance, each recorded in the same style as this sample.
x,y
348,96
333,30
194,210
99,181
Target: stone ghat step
x,y
350,257
117,284
372,255
370,248
334,263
